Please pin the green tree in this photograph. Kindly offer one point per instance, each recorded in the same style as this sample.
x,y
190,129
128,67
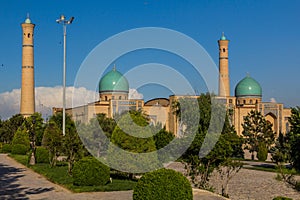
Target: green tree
x,y
294,137
21,137
226,171
35,125
52,140
281,151
96,134
9,127
256,129
200,166
107,124
262,151
163,138
133,134
71,145
281,154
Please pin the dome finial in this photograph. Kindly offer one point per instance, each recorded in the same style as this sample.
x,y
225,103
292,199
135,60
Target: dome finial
x,y
27,20
223,36
114,68
248,74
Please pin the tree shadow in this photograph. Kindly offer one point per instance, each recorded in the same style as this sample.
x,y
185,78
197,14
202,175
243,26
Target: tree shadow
x,y
11,189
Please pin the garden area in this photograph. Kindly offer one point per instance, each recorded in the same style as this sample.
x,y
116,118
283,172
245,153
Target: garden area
x,y
64,160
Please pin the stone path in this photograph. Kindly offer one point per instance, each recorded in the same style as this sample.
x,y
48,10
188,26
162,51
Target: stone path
x,y
251,184
19,182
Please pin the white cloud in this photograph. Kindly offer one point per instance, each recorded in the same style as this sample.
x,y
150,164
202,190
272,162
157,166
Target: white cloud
x,y
273,100
48,97
134,94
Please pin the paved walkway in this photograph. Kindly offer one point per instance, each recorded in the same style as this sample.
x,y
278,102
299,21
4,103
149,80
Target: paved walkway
x,y
19,182
251,184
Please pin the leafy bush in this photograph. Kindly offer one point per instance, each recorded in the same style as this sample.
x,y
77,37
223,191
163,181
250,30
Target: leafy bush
x,y
21,137
6,148
133,135
282,198
19,149
262,152
163,184
89,171
42,155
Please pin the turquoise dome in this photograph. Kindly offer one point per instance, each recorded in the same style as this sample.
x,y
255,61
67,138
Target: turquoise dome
x,y
223,37
113,81
248,87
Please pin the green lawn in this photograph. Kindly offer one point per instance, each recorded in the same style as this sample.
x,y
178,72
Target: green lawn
x,y
59,175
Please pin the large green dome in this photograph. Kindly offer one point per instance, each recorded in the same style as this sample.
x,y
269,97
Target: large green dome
x,y
113,81
248,87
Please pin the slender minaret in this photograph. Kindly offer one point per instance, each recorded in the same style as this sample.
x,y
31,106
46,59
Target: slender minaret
x,y
27,90
224,86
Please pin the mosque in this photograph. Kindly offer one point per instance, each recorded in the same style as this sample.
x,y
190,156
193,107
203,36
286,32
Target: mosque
x,y
114,90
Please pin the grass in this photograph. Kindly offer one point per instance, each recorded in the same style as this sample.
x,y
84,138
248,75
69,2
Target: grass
x,y
268,168
265,169
59,175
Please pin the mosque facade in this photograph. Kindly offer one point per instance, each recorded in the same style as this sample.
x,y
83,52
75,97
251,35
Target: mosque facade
x,y
114,90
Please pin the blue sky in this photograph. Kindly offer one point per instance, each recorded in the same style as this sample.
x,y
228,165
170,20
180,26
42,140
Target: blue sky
x,y
264,38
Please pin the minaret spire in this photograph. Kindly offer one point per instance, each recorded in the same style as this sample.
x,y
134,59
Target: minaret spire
x,y
27,107
224,86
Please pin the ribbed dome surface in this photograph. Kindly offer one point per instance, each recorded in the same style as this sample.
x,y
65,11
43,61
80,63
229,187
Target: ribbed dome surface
x,y
248,87
113,81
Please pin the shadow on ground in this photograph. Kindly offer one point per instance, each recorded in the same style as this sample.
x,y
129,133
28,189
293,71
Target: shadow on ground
x,y
11,189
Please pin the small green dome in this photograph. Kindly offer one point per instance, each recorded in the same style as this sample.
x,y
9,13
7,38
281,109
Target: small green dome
x,y
113,81
223,37
27,21
248,87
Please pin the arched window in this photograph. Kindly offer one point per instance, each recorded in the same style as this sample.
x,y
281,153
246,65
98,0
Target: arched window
x,y
251,101
224,50
105,98
120,97
244,101
28,35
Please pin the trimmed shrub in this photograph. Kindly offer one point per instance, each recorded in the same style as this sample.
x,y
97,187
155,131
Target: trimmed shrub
x,y
89,171
21,137
262,152
163,184
6,148
282,198
19,149
42,155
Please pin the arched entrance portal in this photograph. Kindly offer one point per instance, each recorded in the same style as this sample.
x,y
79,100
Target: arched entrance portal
x,y
273,120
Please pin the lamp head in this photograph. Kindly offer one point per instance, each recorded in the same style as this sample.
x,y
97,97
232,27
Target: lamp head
x,y
62,17
71,20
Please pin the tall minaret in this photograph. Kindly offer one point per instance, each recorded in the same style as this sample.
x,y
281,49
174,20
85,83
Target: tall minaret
x,y
224,86
27,90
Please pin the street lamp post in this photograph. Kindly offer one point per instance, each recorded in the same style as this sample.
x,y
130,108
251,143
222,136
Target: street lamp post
x,y
62,20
